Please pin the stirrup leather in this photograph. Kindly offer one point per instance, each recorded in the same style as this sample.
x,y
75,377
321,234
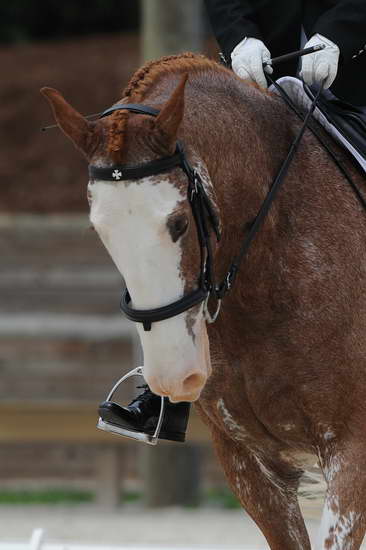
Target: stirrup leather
x,y
139,436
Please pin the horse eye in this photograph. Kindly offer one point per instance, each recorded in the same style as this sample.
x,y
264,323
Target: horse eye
x,y
177,226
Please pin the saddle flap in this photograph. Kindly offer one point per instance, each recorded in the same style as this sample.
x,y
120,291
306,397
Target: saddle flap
x,y
349,120
344,122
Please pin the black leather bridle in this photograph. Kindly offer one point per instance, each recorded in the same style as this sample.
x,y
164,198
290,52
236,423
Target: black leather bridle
x,y
203,214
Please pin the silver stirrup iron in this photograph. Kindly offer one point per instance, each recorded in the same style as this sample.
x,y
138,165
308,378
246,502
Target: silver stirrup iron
x,y
139,436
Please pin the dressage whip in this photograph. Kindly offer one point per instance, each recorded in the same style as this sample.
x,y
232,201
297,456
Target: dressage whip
x,y
294,55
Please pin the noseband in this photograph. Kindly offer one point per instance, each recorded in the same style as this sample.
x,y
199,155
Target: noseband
x,y
203,214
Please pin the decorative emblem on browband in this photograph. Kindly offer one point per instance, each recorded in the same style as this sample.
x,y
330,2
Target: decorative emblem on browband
x,y
117,174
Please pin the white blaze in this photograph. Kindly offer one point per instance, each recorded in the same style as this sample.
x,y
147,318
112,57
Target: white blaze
x,y
131,220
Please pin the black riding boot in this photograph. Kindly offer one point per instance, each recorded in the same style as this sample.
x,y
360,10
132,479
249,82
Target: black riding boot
x,y
141,417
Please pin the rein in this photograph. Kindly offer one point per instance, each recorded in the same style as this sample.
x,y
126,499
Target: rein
x,y
266,205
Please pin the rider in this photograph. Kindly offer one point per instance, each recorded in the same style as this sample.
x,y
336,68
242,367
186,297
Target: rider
x,y
249,33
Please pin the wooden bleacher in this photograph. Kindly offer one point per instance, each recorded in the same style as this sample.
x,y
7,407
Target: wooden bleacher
x,y
63,342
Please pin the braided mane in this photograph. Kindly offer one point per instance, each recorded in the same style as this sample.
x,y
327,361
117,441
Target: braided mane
x,y
143,80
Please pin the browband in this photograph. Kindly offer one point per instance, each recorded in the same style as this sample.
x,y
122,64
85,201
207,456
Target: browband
x,y
133,108
123,172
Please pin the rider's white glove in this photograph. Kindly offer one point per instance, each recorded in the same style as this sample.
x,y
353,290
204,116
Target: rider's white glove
x,y
247,60
321,65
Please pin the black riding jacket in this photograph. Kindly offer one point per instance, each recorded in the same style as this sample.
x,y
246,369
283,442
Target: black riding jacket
x,y
278,24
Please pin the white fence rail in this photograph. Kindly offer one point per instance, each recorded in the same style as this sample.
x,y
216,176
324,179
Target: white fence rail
x,y
46,546
37,542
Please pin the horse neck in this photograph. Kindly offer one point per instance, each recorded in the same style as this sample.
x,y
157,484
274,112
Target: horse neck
x,y
242,135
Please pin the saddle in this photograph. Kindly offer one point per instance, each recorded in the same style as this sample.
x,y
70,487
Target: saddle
x,y
344,122
349,120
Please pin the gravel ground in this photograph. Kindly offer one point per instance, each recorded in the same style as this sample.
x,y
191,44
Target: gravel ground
x,y
136,528
163,529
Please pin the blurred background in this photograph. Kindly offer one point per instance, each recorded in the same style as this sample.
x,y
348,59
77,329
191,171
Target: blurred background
x,y
63,342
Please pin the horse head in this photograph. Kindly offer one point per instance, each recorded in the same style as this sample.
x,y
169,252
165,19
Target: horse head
x,y
148,227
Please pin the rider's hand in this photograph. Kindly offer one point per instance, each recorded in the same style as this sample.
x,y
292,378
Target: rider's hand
x,y
247,60
321,65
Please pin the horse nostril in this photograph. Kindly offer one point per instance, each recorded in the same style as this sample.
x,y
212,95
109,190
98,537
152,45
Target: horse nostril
x,y
192,382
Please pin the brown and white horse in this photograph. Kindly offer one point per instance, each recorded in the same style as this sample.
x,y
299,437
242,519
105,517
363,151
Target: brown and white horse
x,y
281,375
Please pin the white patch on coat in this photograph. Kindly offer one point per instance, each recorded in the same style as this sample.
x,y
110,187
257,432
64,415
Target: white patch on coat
x,y
336,528
242,487
269,474
238,483
238,464
237,431
287,427
331,470
131,220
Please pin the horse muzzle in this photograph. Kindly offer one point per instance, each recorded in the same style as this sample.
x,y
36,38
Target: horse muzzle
x,y
187,388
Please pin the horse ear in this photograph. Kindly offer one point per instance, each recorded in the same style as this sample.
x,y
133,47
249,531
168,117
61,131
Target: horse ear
x,y
171,114
73,124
